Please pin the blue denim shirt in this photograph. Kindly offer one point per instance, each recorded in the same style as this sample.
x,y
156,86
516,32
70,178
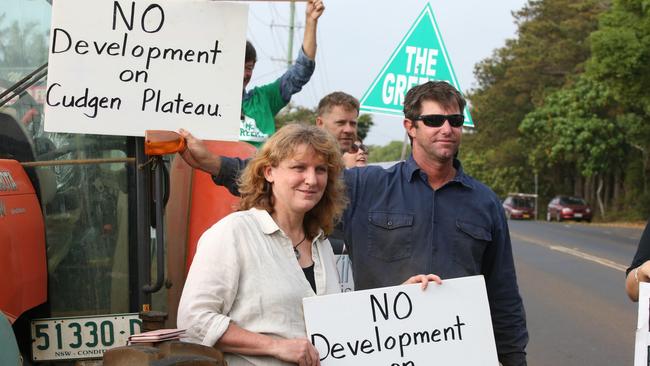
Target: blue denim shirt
x,y
397,226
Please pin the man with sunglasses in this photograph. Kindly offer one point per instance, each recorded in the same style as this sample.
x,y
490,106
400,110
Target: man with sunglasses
x,y
425,215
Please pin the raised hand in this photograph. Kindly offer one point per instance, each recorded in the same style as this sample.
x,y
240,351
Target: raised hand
x,y
315,9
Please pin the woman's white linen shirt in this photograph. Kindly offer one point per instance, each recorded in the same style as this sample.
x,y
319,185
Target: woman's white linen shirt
x,y
245,271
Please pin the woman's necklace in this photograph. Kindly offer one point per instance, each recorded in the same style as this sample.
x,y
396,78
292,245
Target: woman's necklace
x,y
295,247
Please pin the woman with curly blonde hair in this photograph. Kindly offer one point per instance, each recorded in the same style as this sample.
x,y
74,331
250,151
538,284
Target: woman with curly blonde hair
x,y
244,290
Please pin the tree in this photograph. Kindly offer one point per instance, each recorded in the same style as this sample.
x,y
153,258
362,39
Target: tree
x,y
295,114
390,152
621,60
22,46
364,123
551,46
577,125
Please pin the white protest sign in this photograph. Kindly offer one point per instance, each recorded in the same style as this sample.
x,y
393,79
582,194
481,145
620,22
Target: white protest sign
x,y
448,324
122,67
642,343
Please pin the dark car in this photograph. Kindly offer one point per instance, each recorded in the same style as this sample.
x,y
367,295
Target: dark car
x,y
568,208
519,207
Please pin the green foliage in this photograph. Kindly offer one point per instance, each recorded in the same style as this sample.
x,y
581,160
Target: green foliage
x,y
574,125
502,167
550,46
295,114
364,122
544,104
390,152
621,53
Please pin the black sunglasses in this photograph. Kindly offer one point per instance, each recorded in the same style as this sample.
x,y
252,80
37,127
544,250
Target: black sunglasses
x,y
437,120
354,148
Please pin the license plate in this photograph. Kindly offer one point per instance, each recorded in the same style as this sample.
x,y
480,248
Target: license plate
x,y
82,337
526,216
577,215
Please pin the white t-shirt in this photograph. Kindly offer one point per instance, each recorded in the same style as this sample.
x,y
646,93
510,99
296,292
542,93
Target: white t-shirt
x,y
245,271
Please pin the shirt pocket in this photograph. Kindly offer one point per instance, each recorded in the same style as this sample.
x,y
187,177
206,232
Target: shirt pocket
x,y
470,242
390,235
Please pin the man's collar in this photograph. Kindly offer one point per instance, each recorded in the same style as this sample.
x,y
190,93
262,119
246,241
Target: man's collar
x,y
412,167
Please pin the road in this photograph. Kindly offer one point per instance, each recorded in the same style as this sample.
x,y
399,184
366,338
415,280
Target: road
x,y
571,277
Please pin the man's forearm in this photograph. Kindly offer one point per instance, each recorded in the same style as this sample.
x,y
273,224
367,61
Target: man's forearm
x,y
309,39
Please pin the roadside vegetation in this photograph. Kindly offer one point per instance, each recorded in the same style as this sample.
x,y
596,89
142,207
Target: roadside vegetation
x,y
568,99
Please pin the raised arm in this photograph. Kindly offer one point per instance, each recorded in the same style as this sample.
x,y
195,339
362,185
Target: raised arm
x,y
225,171
314,10
198,156
292,81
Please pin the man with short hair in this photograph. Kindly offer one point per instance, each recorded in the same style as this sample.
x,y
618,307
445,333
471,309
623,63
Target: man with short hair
x,y
337,113
260,105
425,215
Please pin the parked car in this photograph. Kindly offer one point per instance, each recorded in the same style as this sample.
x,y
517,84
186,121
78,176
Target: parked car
x,y
568,208
519,207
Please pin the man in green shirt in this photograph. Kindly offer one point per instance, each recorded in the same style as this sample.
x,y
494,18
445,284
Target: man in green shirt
x,y
262,103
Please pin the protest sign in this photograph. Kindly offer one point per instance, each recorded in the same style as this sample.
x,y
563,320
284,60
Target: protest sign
x,y
420,57
446,324
122,67
642,343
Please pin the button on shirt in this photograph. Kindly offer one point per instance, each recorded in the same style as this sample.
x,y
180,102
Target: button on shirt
x,y
245,271
397,226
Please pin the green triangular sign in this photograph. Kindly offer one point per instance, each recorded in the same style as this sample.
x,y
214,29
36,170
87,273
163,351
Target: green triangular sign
x,y
421,56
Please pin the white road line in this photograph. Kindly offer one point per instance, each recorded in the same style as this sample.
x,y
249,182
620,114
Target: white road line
x,y
571,251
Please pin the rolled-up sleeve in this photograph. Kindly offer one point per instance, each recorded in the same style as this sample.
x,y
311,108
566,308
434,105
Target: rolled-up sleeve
x,y
231,169
296,76
211,286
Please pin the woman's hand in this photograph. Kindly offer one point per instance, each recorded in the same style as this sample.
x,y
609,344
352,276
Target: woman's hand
x,y
424,279
296,350
639,274
643,272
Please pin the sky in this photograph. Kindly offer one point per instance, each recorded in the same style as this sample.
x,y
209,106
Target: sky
x,y
357,37
355,40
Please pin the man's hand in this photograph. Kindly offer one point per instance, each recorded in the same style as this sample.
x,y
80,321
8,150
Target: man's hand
x,y
314,9
423,280
197,154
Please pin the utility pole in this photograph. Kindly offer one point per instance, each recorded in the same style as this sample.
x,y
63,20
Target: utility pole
x,y
292,28
292,19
